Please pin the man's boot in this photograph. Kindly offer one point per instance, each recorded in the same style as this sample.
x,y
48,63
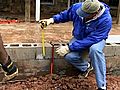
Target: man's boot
x,y
10,70
84,74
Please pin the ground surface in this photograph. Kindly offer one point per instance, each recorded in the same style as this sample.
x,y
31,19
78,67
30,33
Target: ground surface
x,y
31,33
56,82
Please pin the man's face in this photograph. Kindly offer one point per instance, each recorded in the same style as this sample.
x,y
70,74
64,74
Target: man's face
x,y
91,16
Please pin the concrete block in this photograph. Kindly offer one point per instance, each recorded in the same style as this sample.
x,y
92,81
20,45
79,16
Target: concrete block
x,y
32,50
56,45
109,50
24,54
113,39
21,53
27,50
113,65
33,66
117,51
30,68
62,67
55,54
48,50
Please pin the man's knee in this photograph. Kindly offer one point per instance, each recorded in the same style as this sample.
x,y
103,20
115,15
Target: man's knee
x,y
72,56
94,49
68,57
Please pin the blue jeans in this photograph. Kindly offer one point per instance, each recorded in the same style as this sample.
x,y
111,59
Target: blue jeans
x,y
97,58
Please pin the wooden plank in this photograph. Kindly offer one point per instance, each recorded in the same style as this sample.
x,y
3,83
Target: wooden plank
x,y
118,14
27,10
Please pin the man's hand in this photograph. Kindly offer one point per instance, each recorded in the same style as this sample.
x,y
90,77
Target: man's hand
x,y
44,23
63,50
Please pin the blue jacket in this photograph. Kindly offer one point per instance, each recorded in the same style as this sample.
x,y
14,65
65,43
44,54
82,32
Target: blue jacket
x,y
86,33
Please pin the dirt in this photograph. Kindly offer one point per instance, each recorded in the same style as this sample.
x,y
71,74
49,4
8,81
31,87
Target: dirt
x,y
56,82
31,33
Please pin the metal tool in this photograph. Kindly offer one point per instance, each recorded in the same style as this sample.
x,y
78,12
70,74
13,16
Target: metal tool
x,y
52,59
43,43
43,25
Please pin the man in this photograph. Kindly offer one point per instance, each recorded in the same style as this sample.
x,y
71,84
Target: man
x,y
92,22
9,68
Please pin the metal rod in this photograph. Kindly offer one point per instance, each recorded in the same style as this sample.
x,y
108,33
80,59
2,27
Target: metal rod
x,y
52,60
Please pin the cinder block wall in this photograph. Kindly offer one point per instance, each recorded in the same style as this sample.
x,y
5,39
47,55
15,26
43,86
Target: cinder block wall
x,y
24,55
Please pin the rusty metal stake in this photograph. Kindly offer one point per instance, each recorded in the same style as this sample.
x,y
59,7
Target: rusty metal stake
x,y
52,59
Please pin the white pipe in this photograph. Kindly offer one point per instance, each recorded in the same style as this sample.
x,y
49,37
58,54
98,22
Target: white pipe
x,y
37,13
68,4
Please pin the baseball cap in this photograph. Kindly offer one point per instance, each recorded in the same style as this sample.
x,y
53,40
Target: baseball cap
x,y
88,7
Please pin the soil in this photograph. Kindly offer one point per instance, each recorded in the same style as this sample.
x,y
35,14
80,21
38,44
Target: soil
x,y
31,33
57,82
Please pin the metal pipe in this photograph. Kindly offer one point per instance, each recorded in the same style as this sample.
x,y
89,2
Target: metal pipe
x,y
37,13
52,59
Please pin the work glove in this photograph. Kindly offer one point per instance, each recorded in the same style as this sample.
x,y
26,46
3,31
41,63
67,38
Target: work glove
x,y
44,23
62,50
